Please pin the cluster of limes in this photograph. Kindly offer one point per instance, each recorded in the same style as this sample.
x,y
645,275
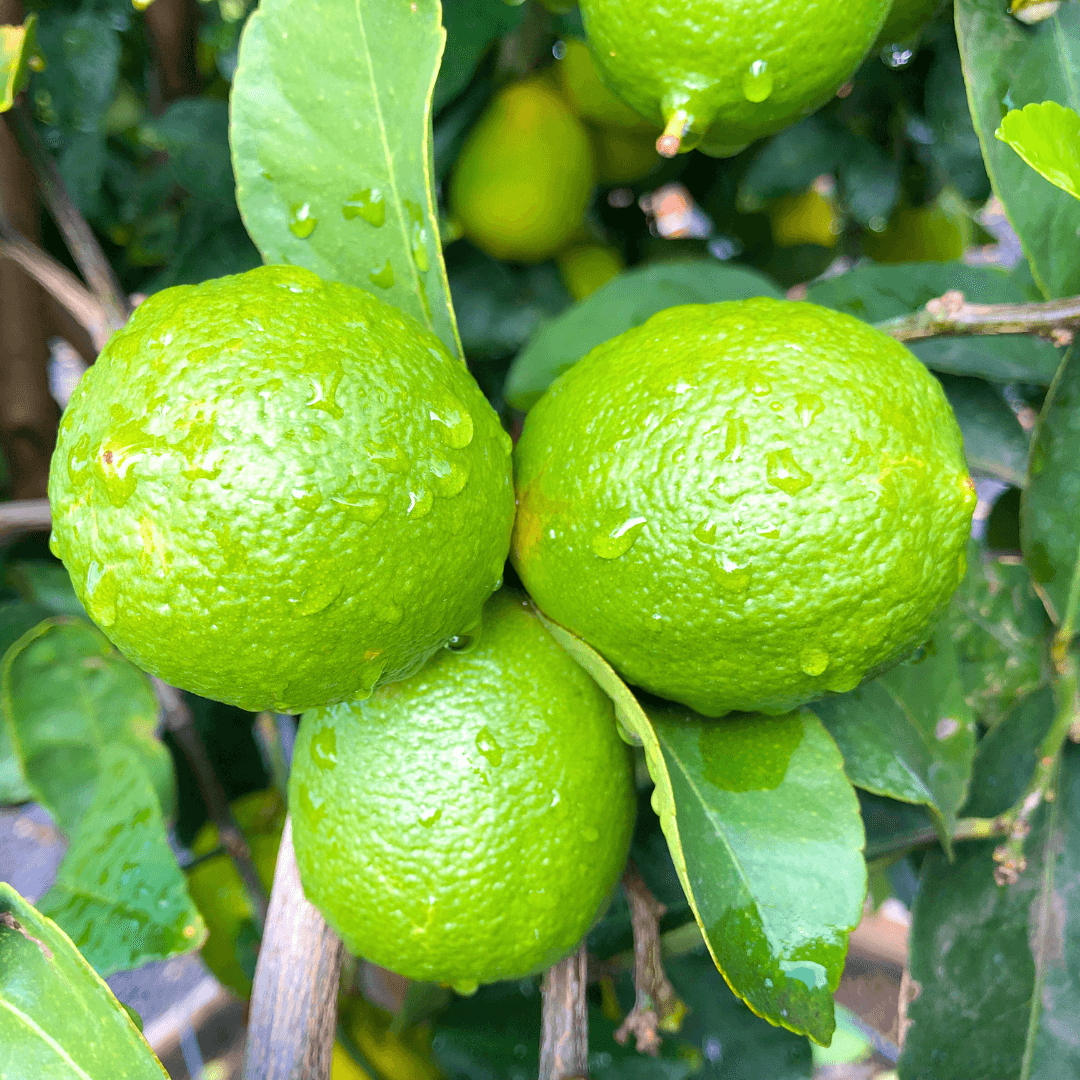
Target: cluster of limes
x,y
283,493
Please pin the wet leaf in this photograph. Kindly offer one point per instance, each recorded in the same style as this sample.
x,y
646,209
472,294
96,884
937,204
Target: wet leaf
x,y
45,584
16,48
764,831
994,442
67,694
58,1019
1008,65
1050,508
626,301
119,893
1047,137
910,733
875,293
194,132
998,625
16,617
331,142
1000,990
82,720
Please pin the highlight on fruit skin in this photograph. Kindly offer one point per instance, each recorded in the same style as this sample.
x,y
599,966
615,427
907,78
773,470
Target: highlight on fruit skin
x,y
279,492
744,506
466,825
718,74
524,177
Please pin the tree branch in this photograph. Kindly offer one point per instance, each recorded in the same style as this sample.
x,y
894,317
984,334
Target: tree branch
x,y
172,27
564,1035
178,719
951,315
656,1005
25,515
294,1001
77,234
966,829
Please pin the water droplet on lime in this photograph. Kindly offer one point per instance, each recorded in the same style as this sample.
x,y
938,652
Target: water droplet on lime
x,y
812,660
785,473
486,744
808,407
324,748
618,538
757,83
102,594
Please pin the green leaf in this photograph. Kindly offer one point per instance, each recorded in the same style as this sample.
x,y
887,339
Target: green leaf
x,y
16,617
998,625
119,893
909,734
16,48
45,584
999,989
82,53
1050,508
68,695
58,1019
82,720
1047,137
624,302
994,442
194,132
875,293
331,142
764,831
1008,65
471,28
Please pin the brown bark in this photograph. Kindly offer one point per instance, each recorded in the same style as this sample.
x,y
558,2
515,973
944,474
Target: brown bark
x,y
172,28
28,414
564,1036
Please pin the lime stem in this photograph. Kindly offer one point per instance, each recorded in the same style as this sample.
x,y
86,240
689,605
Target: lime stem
x,y
669,142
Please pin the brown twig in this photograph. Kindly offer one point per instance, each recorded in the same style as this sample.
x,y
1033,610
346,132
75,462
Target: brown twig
x,y
77,234
178,720
294,1000
656,1005
564,1033
171,28
25,515
952,315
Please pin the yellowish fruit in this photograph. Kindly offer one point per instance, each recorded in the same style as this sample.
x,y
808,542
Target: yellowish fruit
x,y
929,233
809,218
583,88
525,174
585,267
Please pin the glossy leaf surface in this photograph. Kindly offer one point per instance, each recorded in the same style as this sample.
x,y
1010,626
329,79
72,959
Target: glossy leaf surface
x,y
1049,515
876,293
994,442
1000,989
910,734
16,617
471,28
1008,65
58,1019
624,302
119,893
1047,136
331,143
764,831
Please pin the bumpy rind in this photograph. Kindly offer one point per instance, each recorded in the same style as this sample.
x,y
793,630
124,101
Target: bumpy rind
x,y
279,492
711,60
466,825
744,506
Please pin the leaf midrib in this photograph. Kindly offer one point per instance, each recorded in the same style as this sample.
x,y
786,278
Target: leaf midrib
x,y
46,1038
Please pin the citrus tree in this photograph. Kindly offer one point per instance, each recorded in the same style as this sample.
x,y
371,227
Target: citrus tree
x,y
576,416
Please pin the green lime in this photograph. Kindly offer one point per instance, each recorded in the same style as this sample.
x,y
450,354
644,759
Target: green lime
x,y
525,174
744,505
468,824
585,267
584,89
279,492
906,19
719,74
932,233
218,890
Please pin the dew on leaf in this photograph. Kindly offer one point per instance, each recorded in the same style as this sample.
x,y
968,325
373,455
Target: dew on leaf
x,y
369,204
301,221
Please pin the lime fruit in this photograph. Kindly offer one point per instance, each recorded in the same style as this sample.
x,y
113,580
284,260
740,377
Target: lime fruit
x,y
585,267
468,824
807,218
744,505
391,1054
524,176
232,943
718,74
279,492
582,86
931,233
